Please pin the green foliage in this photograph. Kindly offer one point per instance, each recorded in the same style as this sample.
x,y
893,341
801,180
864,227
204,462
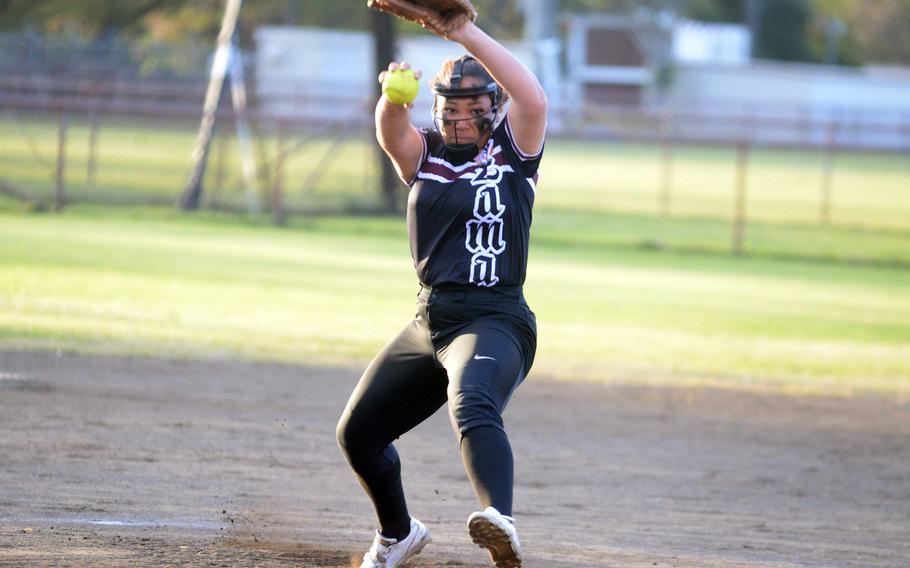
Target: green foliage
x,y
782,32
92,17
882,31
180,20
716,11
875,32
792,30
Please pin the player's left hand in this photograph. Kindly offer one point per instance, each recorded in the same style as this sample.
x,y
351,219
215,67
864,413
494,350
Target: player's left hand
x,y
459,34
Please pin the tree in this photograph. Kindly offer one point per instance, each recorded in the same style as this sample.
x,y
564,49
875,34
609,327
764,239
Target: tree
x,y
783,30
716,11
882,31
793,30
92,17
384,48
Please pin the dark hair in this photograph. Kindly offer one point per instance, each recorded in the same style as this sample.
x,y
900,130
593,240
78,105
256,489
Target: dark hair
x,y
454,71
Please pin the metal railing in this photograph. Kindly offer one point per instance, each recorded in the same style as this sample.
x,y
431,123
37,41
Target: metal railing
x,y
130,142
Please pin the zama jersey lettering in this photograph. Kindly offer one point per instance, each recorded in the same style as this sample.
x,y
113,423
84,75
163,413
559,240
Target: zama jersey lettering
x,y
470,224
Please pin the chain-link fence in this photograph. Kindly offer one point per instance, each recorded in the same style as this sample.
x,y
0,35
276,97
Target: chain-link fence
x,y
744,184
823,203
61,157
33,54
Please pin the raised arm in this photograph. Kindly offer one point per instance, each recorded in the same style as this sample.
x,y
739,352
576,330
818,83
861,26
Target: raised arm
x,y
396,135
528,110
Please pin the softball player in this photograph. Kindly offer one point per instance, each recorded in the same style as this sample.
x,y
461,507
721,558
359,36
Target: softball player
x,y
473,337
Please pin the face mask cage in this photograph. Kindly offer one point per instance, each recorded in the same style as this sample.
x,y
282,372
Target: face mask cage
x,y
482,123
454,89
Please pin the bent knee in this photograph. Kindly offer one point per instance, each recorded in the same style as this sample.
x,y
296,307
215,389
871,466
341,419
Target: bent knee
x,y
351,439
343,435
470,409
367,454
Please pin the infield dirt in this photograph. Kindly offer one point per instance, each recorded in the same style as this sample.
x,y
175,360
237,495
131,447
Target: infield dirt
x,y
116,461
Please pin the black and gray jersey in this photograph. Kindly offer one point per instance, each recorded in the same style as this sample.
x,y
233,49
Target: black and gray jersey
x,y
470,223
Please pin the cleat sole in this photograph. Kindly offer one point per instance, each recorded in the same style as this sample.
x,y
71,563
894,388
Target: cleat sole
x,y
495,539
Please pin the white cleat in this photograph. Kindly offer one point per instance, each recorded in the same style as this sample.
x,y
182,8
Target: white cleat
x,y
496,532
389,553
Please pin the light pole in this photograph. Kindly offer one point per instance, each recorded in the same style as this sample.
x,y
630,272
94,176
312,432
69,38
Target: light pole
x,y
192,192
834,30
753,21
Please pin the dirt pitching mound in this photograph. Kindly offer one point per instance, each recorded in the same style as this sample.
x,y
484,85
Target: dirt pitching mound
x,y
118,461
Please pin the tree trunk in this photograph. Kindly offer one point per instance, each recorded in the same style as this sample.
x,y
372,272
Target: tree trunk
x,y
385,52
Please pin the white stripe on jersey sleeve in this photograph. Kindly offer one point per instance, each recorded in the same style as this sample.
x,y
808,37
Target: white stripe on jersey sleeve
x,y
433,177
521,154
424,151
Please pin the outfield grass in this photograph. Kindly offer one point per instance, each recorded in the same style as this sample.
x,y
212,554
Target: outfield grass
x,y
332,290
146,162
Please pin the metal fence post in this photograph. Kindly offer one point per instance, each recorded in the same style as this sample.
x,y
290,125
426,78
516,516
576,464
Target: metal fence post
x,y
278,214
221,141
827,175
60,193
92,144
666,168
739,209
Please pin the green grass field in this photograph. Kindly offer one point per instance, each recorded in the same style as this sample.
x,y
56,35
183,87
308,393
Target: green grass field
x,y
594,192
332,290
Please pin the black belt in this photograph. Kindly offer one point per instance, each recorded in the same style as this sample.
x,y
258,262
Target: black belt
x,y
468,292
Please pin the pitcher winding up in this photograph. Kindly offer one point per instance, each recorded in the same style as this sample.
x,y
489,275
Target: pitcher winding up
x,y
473,338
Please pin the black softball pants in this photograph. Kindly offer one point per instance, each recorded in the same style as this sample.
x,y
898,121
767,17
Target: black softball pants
x,y
468,346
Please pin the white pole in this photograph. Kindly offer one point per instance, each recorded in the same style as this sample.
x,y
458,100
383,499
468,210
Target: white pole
x,y
238,99
193,190
540,35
